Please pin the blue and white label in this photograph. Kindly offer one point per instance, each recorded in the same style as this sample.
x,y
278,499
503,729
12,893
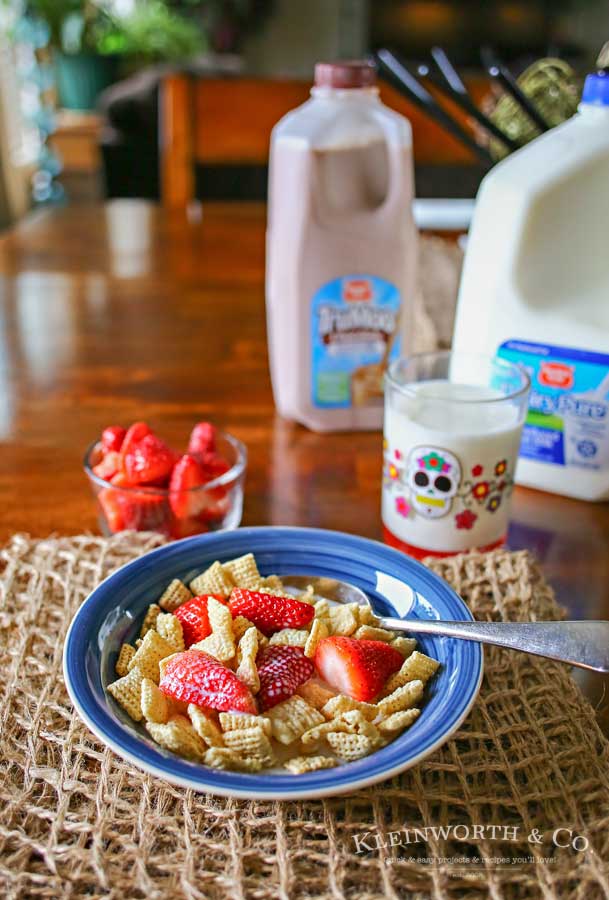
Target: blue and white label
x,y
568,419
354,320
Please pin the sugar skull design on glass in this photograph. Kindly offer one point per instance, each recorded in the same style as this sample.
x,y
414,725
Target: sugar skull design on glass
x,y
432,482
433,476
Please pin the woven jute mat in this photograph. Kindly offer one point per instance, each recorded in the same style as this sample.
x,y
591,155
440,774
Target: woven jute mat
x,y
76,821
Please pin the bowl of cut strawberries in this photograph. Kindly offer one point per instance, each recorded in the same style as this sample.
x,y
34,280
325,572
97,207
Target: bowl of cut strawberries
x,y
140,483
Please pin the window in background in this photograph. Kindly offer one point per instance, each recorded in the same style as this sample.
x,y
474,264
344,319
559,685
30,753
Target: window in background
x,y
121,7
20,142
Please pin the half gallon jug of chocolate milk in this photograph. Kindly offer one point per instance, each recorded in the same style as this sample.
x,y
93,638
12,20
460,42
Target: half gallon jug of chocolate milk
x,y
341,250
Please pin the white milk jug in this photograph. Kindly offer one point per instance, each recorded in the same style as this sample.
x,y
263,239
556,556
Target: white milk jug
x,y
341,249
535,290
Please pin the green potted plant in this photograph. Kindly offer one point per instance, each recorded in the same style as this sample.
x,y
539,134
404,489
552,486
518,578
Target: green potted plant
x,y
75,27
153,32
91,44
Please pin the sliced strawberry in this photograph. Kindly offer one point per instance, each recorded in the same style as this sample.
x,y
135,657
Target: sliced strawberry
x,y
194,618
134,510
202,439
149,461
185,477
196,677
112,510
356,668
215,501
108,466
134,435
146,512
270,613
121,480
281,670
182,528
213,465
216,507
112,438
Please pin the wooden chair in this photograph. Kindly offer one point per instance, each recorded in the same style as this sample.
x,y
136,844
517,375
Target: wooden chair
x,y
228,121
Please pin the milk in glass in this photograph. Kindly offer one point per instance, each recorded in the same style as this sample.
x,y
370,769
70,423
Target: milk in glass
x,y
450,451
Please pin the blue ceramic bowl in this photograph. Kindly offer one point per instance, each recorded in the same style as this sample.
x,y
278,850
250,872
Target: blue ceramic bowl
x,y
111,615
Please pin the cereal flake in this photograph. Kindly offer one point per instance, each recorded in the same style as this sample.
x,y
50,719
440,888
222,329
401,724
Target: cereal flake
x,y
127,692
318,631
205,726
170,629
151,651
174,595
179,736
150,619
125,655
291,718
214,580
404,697
300,765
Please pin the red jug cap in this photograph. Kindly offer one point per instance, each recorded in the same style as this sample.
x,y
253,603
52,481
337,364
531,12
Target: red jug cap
x,y
353,73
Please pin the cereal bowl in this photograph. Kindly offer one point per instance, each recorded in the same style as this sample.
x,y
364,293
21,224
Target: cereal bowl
x,y
112,613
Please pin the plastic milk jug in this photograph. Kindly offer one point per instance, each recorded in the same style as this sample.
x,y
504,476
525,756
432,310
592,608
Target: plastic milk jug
x,y
535,290
341,250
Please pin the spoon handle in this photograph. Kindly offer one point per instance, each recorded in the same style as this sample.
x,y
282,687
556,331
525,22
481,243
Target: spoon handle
x,y
584,644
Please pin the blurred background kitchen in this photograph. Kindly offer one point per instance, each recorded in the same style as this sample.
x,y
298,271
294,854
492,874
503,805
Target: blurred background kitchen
x,y
93,102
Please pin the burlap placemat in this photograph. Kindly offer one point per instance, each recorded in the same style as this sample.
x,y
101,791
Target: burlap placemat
x,y
76,821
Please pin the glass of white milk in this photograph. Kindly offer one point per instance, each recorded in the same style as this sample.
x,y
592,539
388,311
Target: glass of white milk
x,y
453,423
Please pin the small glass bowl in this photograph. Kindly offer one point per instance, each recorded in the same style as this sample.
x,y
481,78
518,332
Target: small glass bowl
x,y
218,505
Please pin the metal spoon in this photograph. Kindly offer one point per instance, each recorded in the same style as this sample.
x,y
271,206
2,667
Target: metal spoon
x,y
581,643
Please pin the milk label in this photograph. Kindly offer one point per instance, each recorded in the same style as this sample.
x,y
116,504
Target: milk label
x,y
568,418
354,321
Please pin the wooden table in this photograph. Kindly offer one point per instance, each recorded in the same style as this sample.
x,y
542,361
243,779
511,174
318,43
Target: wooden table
x,y
107,316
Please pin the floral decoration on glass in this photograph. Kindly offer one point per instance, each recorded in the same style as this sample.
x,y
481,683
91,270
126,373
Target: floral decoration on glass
x,y
429,483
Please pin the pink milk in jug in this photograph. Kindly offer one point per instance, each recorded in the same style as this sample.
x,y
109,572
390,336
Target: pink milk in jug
x,y
341,250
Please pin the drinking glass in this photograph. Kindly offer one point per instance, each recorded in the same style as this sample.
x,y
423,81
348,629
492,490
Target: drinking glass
x,y
215,506
453,424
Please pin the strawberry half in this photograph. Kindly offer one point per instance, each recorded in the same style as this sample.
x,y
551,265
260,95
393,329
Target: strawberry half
x,y
134,435
182,528
134,510
270,613
215,501
112,438
356,668
202,439
149,461
213,465
217,507
121,480
196,677
187,475
112,509
281,670
146,512
194,618
108,465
